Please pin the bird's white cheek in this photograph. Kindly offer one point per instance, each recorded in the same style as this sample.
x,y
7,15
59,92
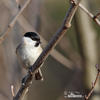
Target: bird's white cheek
x,y
28,41
28,54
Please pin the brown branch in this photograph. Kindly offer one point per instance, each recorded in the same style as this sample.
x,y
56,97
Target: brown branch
x,y
93,17
96,16
93,84
59,57
26,81
12,23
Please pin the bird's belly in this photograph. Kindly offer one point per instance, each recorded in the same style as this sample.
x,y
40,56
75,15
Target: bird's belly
x,y
28,56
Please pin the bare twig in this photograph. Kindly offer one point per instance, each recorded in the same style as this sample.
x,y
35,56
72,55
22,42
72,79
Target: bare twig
x,y
59,57
56,38
10,26
94,18
97,16
12,90
93,84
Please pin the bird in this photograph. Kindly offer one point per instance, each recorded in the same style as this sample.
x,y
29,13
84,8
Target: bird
x,y
29,50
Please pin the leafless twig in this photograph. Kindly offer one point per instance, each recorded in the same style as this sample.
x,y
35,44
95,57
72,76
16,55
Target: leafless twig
x,y
94,83
12,90
55,39
97,16
94,18
59,57
10,26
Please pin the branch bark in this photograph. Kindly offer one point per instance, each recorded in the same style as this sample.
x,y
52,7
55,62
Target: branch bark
x,y
59,57
93,17
26,81
28,27
94,84
89,50
10,26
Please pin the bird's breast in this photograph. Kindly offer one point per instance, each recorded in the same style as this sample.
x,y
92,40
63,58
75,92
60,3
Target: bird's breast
x,y
29,54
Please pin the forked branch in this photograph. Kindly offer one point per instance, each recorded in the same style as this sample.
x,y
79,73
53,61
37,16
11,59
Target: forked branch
x,y
12,23
26,81
93,17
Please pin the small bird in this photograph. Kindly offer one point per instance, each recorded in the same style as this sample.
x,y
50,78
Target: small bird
x,y
29,50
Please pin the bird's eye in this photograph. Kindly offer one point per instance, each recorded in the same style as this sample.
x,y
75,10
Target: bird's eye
x,y
37,43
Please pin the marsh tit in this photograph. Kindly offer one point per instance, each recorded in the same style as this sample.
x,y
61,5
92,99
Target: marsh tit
x,y
29,50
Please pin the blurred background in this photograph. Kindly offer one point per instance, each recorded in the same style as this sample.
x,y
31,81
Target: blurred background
x,y
70,66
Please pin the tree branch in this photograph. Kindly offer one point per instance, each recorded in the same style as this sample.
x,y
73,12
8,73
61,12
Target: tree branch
x,y
26,81
93,84
93,17
28,27
59,57
10,26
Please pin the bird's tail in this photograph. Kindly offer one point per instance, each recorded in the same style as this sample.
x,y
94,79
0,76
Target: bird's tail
x,y
38,75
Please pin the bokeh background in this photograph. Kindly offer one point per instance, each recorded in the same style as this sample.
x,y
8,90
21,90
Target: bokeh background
x,y
71,67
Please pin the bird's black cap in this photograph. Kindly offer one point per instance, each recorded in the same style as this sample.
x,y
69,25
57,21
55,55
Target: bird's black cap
x,y
34,36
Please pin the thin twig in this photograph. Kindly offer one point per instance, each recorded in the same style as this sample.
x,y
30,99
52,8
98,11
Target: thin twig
x,y
12,23
59,57
55,39
12,90
93,84
96,16
93,17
